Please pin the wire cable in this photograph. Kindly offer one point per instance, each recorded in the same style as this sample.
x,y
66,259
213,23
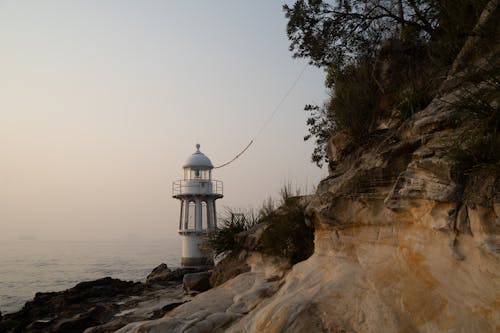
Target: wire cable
x,y
268,120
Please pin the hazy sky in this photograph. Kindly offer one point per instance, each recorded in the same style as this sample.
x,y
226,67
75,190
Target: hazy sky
x,y
101,102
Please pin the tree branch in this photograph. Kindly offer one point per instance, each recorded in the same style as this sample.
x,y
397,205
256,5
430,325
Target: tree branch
x,y
421,16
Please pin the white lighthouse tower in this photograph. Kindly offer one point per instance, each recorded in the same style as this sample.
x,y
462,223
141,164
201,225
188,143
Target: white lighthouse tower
x,y
197,193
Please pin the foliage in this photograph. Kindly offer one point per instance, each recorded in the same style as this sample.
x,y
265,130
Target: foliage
x,y
223,239
479,106
287,234
411,99
321,125
456,20
476,147
353,106
336,33
345,37
287,193
483,99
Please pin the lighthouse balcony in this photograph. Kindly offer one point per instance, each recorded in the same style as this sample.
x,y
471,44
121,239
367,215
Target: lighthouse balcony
x,y
196,187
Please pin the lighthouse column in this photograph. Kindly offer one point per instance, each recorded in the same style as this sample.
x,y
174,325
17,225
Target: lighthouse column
x,y
210,213
186,214
198,219
182,212
214,221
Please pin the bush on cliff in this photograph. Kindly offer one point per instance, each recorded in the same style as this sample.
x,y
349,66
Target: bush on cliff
x,y
287,235
280,231
223,239
348,38
354,105
479,107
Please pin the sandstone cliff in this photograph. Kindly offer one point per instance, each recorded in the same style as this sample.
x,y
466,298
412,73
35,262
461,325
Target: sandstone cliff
x,y
404,242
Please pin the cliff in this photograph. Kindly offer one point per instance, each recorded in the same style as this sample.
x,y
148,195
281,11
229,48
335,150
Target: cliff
x,y
406,239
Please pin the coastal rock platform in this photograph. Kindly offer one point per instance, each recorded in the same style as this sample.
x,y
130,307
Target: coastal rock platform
x,y
99,306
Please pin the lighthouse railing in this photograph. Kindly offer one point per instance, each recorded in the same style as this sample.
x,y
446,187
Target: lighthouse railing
x,y
183,186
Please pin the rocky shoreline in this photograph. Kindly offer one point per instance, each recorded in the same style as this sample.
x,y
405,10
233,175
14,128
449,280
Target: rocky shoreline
x,y
107,304
405,240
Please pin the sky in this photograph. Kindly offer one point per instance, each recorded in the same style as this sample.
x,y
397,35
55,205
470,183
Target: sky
x,y
102,101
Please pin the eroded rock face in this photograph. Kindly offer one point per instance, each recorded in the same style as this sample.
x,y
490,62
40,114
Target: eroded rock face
x,y
217,309
402,242
230,266
196,282
385,278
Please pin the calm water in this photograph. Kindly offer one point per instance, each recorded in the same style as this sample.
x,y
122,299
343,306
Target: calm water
x,y
27,267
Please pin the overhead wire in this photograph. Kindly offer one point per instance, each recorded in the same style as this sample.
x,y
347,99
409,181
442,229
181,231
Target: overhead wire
x,y
268,120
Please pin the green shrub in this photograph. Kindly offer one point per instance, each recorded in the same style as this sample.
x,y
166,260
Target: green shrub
x,y
481,102
457,18
354,103
476,147
412,99
287,234
479,108
351,108
346,37
223,239
321,125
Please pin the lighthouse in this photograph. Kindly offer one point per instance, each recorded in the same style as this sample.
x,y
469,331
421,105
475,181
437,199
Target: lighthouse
x,y
197,193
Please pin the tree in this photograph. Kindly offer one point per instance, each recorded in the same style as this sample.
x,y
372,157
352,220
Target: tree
x,y
333,34
320,127
345,38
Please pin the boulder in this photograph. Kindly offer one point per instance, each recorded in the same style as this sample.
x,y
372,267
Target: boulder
x,y
196,281
162,275
232,265
158,274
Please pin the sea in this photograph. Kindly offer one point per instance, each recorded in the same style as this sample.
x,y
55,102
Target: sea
x,y
30,266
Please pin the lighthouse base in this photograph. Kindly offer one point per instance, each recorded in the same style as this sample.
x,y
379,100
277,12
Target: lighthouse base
x,y
187,262
192,254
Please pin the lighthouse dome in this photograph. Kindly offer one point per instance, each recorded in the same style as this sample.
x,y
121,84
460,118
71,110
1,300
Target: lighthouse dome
x,y
198,160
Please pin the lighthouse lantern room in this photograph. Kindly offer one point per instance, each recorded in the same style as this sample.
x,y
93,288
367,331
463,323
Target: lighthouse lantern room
x,y
197,193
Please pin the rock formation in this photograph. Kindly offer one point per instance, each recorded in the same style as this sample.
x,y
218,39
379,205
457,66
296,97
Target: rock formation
x,y
196,282
162,275
99,306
